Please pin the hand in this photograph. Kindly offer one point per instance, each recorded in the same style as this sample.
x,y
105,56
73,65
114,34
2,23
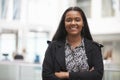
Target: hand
x,y
62,75
92,69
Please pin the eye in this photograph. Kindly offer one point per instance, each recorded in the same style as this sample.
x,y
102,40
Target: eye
x,y
77,19
68,19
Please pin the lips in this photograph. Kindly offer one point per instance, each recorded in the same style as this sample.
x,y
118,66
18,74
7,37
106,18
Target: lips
x,y
73,28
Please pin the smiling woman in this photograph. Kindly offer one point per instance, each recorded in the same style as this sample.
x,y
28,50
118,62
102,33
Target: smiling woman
x,y
73,23
72,53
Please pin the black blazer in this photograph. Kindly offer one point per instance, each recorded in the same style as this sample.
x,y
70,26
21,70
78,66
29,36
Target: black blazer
x,y
54,61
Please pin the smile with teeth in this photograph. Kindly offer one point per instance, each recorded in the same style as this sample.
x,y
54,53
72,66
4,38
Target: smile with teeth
x,y
73,27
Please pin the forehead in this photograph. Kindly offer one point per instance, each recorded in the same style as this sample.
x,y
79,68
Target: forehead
x,y
73,13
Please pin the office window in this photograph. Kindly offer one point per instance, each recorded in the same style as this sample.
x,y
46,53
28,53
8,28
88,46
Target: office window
x,y
16,9
4,8
108,8
10,9
7,45
85,5
36,44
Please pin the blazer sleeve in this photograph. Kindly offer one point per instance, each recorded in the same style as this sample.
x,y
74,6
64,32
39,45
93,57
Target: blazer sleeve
x,y
48,65
97,63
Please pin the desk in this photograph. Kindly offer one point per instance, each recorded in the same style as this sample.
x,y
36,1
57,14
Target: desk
x,y
30,71
111,72
18,70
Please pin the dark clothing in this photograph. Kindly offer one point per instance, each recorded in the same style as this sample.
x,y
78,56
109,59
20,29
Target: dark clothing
x,y
54,61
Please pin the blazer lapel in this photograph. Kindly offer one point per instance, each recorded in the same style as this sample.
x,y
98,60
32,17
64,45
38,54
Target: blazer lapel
x,y
60,55
88,48
88,45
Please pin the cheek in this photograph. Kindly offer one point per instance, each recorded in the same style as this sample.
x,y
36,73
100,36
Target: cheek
x,y
66,26
80,26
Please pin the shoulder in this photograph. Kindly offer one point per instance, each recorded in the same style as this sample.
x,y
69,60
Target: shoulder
x,y
91,43
97,44
57,43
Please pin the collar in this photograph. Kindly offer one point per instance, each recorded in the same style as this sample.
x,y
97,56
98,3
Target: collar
x,y
81,45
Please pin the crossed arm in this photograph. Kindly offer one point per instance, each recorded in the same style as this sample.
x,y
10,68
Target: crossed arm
x,y
63,75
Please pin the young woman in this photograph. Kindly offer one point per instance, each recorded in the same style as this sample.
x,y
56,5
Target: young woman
x,y
72,54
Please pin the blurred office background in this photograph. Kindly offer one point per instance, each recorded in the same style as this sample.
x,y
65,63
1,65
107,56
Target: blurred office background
x,y
26,25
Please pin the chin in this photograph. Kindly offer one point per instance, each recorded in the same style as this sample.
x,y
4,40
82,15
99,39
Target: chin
x,y
74,34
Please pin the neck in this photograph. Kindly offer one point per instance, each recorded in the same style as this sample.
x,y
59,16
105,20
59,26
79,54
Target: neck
x,y
74,40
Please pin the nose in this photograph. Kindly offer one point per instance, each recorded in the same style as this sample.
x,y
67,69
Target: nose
x,y
73,22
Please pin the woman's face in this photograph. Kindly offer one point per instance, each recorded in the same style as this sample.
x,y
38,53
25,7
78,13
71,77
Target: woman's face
x,y
73,23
